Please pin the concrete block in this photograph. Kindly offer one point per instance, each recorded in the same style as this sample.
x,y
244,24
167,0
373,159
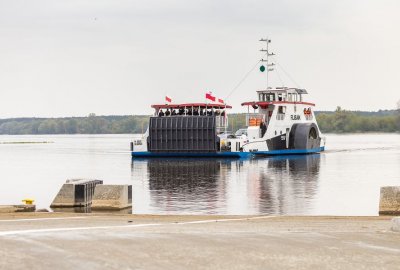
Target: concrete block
x,y
112,197
389,203
17,208
65,197
75,193
396,224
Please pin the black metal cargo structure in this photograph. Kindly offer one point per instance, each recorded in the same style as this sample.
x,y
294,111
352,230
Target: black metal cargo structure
x,y
84,192
174,134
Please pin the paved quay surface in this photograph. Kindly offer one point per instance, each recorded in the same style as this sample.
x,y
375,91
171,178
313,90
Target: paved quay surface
x,y
97,241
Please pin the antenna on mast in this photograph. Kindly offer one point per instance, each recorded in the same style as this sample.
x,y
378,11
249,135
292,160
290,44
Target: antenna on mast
x,y
270,65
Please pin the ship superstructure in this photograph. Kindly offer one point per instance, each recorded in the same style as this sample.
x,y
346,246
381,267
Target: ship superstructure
x,y
281,122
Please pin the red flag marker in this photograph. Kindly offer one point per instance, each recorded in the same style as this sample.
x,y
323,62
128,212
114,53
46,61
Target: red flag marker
x,y
209,96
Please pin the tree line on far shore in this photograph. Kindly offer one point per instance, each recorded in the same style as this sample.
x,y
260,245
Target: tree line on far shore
x,y
91,124
342,121
339,121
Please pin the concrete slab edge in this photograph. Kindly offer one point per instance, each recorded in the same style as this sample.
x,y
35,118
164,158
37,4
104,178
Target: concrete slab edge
x,y
17,208
394,212
111,208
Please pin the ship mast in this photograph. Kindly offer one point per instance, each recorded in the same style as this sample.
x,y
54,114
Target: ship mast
x,y
267,54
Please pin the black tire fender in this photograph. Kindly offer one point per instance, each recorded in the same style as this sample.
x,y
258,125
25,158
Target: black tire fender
x,y
304,136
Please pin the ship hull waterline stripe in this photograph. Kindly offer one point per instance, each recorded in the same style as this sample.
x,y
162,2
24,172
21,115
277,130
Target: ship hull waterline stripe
x,y
230,154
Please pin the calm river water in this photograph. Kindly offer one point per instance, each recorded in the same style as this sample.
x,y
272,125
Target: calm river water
x,y
345,180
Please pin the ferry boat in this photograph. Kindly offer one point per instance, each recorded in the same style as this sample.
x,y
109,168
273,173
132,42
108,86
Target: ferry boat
x,y
280,122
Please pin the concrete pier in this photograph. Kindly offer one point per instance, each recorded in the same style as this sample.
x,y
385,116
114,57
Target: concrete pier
x,y
112,197
389,203
99,241
75,193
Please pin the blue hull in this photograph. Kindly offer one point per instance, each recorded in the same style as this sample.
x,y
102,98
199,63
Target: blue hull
x,y
230,154
209,155
290,152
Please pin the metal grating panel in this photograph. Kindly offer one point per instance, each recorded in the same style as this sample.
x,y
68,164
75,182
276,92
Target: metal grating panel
x,y
183,134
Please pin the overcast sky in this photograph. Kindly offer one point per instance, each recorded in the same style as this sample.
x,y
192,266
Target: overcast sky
x,y
75,57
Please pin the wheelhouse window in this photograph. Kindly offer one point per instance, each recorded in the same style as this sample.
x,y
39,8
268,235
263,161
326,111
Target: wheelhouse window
x,y
270,97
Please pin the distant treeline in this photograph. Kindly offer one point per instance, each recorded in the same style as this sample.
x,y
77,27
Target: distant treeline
x,y
339,121
342,121
91,124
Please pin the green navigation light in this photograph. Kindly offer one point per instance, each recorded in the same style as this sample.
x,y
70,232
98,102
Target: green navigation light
x,y
262,68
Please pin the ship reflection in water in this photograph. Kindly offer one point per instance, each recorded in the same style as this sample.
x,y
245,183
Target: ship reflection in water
x,y
275,186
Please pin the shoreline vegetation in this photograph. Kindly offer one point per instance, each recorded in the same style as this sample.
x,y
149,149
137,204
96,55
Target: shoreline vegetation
x,y
25,142
338,121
